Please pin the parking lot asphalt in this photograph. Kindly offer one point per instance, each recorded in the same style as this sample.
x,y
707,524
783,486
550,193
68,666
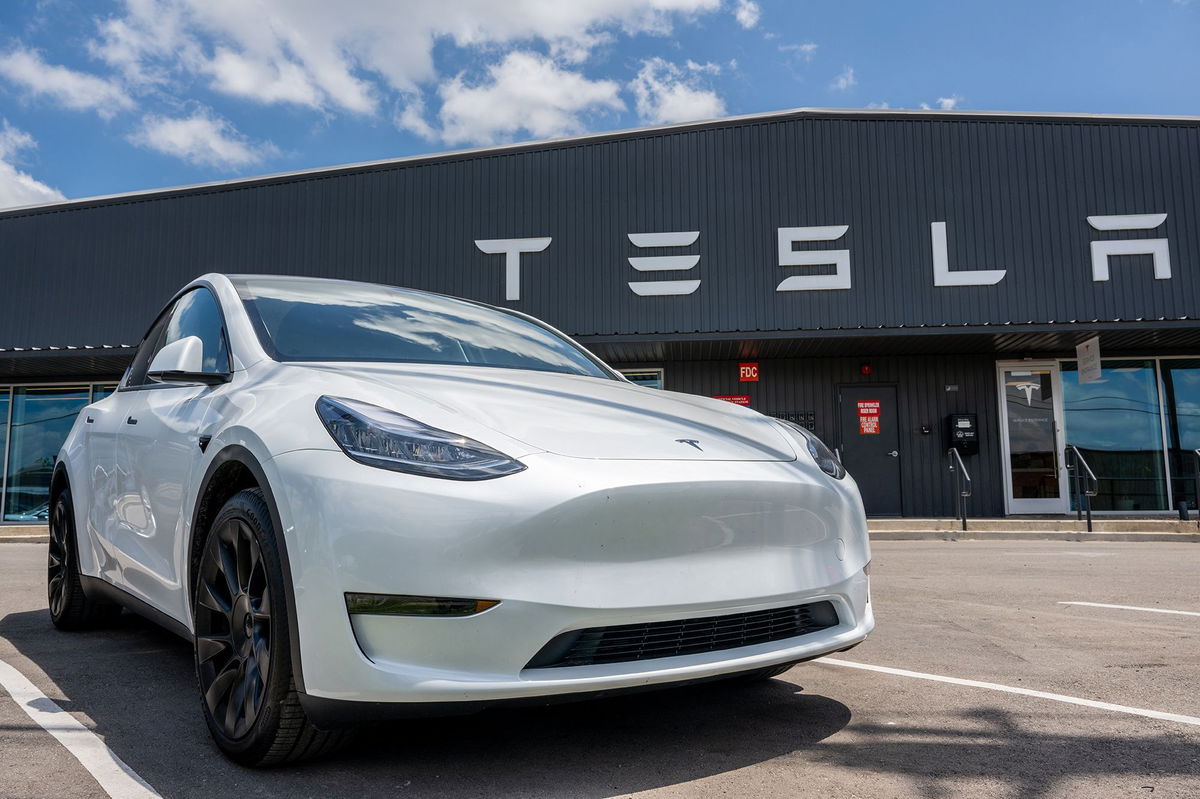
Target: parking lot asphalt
x,y
975,611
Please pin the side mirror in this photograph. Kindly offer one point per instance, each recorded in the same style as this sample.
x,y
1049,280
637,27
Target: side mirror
x,y
182,361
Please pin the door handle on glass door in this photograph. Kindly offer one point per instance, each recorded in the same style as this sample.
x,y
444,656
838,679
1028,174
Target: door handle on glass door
x,y
894,453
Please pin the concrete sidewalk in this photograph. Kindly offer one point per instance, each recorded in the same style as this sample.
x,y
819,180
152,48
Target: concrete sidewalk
x,y
24,534
1025,529
1010,529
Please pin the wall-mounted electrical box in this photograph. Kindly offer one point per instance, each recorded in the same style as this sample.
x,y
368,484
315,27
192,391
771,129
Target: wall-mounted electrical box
x,y
962,433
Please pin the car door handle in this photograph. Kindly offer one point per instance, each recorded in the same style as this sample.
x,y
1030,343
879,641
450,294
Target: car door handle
x,y
130,420
894,453
88,420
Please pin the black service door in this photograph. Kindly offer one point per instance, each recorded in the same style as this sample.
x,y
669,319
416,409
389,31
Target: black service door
x,y
871,445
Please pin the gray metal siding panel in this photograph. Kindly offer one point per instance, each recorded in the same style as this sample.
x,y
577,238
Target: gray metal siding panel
x,y
1015,195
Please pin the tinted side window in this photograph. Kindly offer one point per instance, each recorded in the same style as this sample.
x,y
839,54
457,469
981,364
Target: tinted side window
x,y
151,345
194,314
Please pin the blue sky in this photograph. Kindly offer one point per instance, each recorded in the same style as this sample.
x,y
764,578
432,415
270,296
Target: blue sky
x,y
102,97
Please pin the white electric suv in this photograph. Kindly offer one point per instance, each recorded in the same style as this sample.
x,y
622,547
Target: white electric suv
x,y
363,502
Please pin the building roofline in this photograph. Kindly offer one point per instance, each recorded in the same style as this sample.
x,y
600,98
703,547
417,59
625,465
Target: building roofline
x,y
586,339
592,138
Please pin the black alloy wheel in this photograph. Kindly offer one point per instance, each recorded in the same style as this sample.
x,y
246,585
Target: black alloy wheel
x,y
244,664
233,628
70,609
59,561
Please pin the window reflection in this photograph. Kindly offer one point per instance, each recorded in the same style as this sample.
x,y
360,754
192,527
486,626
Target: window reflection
x,y
1115,422
1181,386
331,320
1032,443
41,420
4,406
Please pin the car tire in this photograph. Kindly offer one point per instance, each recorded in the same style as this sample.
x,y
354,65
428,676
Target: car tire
x,y
242,643
70,608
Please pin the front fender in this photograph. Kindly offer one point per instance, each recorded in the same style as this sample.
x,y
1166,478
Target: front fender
x,y
238,446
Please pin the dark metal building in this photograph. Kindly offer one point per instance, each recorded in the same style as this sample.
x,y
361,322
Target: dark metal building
x,y
883,271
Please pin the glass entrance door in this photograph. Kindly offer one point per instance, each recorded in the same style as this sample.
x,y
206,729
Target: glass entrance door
x,y
1031,420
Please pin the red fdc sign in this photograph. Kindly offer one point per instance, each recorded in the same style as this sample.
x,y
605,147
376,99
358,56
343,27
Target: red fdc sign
x,y
868,417
736,399
748,372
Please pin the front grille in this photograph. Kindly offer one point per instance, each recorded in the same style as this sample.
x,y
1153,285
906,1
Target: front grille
x,y
664,639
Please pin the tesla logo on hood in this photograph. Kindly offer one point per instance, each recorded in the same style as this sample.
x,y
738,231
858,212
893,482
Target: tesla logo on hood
x,y
691,442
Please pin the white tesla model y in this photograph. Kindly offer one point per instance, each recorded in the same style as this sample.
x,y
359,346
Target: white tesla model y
x,y
362,502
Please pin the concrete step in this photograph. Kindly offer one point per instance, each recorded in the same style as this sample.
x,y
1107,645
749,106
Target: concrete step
x,y
24,533
1032,535
1012,529
1018,524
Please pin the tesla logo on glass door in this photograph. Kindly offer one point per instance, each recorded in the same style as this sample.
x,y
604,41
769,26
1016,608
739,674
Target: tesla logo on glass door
x,y
1028,388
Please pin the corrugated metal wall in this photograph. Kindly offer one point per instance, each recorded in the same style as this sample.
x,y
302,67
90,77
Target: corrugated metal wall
x,y
811,385
1015,195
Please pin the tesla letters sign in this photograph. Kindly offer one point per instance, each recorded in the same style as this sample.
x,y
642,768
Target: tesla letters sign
x,y
681,261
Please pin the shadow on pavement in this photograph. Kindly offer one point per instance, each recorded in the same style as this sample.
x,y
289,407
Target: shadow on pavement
x,y
135,681
990,745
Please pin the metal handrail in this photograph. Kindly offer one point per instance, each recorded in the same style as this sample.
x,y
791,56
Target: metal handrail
x,y
964,484
1086,485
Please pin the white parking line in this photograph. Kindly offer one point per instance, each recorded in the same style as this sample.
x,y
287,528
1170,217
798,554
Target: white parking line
x,y
117,779
1131,607
1008,689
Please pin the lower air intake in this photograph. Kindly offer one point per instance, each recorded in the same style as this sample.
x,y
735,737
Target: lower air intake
x,y
664,639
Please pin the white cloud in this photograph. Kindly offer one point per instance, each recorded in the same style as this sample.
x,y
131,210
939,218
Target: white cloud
x,y
708,67
879,106
78,91
944,103
524,92
18,188
411,117
201,139
747,13
805,50
349,55
844,81
667,93
262,80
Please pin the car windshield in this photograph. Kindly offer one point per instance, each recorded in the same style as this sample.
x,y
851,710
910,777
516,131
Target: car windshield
x,y
328,320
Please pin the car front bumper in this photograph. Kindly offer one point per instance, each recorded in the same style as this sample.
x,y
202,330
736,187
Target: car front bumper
x,y
566,544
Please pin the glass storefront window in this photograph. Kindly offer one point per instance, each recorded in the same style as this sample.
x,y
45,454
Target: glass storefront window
x,y
4,406
1115,422
1032,443
648,378
41,419
1181,387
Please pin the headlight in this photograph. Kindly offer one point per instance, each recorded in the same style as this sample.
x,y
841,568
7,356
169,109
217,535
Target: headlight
x,y
389,440
828,462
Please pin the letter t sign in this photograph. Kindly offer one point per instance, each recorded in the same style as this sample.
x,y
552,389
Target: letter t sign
x,y
511,249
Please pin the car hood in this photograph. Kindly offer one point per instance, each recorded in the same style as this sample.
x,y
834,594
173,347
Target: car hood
x,y
573,415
